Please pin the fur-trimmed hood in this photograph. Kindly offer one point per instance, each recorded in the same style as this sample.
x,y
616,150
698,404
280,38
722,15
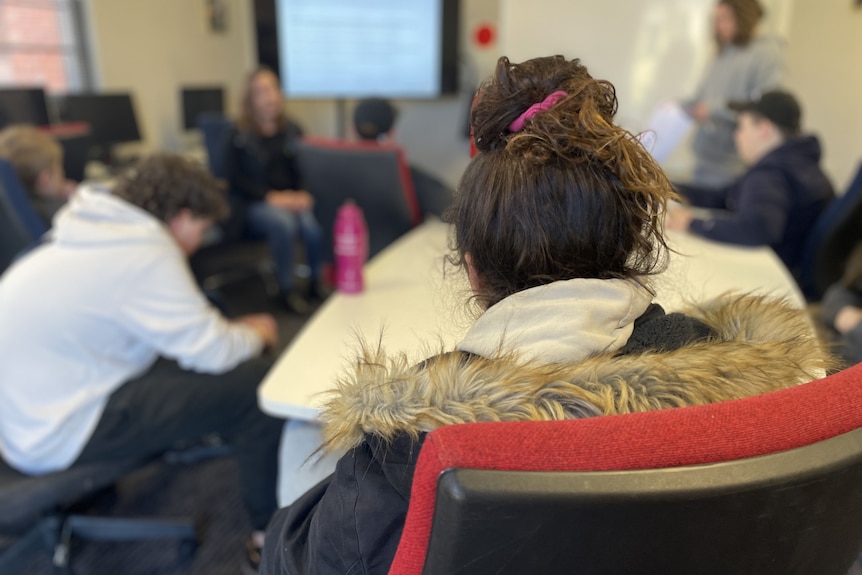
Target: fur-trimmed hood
x,y
759,345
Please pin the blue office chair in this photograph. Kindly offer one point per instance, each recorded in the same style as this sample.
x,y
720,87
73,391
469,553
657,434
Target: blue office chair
x,y
830,242
39,514
216,129
20,226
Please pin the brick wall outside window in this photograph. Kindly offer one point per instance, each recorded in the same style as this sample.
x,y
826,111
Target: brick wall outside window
x,y
36,44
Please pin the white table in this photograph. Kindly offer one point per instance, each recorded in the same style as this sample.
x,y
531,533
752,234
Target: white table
x,y
417,303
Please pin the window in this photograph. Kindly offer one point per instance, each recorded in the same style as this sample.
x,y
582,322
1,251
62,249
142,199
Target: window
x,y
40,45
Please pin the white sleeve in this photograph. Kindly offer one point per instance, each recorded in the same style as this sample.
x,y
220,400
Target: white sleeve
x,y
163,307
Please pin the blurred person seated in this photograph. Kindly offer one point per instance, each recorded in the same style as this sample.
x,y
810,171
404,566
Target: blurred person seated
x,y
266,187
558,228
111,351
778,200
38,161
374,121
841,310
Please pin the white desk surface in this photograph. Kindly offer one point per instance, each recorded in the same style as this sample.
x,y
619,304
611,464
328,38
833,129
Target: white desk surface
x,y
418,303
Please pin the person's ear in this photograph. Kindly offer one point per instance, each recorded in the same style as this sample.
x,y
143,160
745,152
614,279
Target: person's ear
x,y
45,184
477,283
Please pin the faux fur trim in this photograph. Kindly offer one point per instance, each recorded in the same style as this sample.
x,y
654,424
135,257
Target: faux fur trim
x,y
761,345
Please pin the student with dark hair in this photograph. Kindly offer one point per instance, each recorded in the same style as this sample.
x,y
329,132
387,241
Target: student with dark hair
x,y
778,200
266,186
374,120
111,351
747,64
558,225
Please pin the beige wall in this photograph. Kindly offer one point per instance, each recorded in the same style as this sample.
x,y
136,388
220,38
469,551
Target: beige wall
x,y
152,47
824,59
659,48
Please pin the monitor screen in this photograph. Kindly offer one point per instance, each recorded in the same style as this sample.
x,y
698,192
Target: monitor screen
x,y
196,101
111,116
344,48
23,106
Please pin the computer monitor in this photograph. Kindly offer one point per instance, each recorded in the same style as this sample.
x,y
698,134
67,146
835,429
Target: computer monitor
x,y
23,106
111,116
196,101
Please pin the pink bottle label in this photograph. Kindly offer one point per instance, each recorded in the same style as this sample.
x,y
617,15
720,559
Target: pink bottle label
x,y
351,240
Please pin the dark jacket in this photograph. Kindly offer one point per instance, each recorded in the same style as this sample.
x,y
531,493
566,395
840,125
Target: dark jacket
x,y
254,166
351,522
775,203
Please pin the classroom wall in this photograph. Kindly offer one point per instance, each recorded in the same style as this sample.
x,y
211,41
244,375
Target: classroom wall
x,y
152,47
129,54
650,49
824,57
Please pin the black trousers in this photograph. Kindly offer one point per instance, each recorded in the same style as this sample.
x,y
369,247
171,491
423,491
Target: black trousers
x,y
168,405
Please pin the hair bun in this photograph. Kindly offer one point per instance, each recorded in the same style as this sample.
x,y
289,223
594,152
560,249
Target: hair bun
x,y
573,127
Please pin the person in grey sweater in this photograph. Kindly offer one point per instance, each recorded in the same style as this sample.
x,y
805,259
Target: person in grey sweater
x,y
747,65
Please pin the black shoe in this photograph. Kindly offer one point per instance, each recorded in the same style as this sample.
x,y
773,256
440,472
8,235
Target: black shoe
x,y
318,291
295,303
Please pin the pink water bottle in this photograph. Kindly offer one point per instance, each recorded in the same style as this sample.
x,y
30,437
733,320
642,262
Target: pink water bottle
x,y
351,247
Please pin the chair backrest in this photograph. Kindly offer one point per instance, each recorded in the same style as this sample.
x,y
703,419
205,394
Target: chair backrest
x,y
375,176
20,226
831,240
432,194
766,485
215,128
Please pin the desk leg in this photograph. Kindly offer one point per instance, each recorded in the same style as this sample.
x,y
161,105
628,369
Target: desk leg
x,y
300,468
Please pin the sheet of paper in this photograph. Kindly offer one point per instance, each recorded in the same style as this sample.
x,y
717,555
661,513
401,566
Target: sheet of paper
x,y
668,126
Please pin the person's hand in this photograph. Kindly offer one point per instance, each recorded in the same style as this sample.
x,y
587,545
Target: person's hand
x,y
303,200
699,112
264,325
290,200
847,319
678,218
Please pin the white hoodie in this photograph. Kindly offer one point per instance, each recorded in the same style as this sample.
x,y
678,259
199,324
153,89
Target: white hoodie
x,y
90,310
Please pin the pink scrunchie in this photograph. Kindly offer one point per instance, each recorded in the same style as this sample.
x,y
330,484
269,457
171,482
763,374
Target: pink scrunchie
x,y
545,104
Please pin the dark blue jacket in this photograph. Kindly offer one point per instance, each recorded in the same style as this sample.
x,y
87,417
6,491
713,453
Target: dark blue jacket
x,y
775,203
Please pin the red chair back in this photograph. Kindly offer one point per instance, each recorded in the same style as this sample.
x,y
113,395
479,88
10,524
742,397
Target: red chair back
x,y
770,474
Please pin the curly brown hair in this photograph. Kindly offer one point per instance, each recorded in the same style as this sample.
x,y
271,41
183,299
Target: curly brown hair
x,y
571,195
165,184
748,14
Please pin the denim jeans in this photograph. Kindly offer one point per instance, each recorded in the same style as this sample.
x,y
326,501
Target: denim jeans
x,y
280,228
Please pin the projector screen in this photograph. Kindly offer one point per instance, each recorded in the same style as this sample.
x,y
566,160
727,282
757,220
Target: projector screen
x,y
348,49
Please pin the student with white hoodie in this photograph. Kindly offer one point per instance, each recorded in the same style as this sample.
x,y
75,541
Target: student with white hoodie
x,y
110,350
